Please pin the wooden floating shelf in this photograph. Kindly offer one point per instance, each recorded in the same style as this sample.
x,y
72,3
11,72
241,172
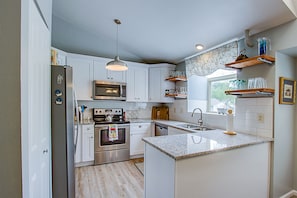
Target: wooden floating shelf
x,y
251,92
177,78
247,62
176,95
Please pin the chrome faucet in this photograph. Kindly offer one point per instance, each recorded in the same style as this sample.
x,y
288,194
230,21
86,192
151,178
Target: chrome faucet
x,y
200,121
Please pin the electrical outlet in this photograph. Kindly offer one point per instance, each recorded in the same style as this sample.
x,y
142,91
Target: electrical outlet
x,y
260,117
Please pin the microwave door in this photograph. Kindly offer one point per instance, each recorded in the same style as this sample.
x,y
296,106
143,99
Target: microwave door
x,y
107,92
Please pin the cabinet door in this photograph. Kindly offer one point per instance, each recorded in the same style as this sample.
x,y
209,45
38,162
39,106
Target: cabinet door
x,y
136,143
158,84
100,73
82,76
88,143
154,84
137,132
137,84
78,143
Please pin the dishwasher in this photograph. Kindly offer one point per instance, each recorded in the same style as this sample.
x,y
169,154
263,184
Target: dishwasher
x,y
161,129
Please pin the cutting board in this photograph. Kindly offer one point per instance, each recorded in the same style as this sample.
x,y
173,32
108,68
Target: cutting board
x,y
160,113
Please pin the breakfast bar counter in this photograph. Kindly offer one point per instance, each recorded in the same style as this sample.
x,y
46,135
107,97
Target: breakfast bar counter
x,y
207,164
201,143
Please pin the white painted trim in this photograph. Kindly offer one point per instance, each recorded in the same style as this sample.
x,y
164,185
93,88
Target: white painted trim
x,y
289,194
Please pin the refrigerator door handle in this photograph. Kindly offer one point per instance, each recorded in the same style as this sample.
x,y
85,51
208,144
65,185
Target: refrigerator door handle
x,y
77,122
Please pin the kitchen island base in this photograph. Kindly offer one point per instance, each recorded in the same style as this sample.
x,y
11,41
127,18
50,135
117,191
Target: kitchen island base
x,y
242,172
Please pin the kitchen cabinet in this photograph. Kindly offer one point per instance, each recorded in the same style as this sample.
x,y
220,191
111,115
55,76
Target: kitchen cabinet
x,y
100,73
137,132
137,82
78,142
87,142
185,177
251,61
82,75
158,83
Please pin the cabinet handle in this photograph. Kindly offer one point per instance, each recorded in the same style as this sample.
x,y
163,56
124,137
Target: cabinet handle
x,y
91,137
45,151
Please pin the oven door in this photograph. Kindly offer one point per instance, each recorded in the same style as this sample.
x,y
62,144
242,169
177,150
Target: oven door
x,y
104,143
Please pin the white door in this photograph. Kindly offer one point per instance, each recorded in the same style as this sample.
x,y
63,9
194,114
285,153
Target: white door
x,y
36,109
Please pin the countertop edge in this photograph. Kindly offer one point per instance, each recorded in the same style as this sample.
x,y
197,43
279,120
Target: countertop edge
x,y
261,140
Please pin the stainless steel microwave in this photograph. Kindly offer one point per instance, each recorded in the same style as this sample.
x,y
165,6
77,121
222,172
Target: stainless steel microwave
x,y
104,90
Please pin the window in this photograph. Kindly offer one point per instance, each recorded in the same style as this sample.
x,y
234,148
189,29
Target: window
x,y
217,84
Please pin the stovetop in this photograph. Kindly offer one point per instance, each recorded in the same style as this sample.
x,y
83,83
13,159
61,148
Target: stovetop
x,y
112,122
108,116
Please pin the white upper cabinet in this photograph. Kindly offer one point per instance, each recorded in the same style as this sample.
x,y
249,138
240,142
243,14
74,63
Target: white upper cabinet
x,y
82,75
137,82
100,73
157,83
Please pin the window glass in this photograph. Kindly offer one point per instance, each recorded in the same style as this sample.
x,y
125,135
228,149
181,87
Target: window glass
x,y
218,83
208,92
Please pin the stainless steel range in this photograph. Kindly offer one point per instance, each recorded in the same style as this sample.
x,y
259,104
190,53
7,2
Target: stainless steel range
x,y
112,136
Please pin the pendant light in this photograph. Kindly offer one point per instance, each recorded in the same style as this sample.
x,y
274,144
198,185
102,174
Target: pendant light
x,y
117,64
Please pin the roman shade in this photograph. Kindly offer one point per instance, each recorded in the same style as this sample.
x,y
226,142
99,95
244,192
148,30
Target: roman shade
x,y
207,63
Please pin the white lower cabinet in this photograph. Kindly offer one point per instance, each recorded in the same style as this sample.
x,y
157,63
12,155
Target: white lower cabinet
x,y
137,132
87,143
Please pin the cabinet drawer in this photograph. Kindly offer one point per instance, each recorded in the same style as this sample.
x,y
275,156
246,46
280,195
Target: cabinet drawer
x,y
140,127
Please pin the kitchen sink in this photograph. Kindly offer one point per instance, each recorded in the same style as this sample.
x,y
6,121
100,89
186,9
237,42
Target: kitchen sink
x,y
203,128
189,126
195,127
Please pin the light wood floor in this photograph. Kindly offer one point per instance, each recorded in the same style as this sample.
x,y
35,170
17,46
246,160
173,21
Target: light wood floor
x,y
120,179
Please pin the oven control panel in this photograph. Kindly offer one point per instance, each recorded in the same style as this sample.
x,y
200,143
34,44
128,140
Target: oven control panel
x,y
113,111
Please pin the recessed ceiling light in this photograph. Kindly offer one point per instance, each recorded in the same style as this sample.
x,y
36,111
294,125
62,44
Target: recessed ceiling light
x,y
199,47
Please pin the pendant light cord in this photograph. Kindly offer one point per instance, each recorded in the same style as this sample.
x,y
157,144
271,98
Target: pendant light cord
x,y
118,22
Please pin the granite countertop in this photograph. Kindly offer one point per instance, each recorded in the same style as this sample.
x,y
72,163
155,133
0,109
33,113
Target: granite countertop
x,y
140,120
201,143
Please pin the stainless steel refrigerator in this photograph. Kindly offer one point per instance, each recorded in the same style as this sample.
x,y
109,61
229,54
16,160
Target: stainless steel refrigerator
x,y
62,118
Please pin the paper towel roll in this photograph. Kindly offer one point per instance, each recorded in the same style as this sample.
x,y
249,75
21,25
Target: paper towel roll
x,y
229,121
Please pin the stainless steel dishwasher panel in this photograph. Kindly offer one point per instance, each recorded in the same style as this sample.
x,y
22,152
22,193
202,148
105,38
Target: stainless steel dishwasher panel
x,y
160,130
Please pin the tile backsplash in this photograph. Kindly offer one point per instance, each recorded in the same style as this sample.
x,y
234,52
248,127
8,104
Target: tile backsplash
x,y
133,110
254,116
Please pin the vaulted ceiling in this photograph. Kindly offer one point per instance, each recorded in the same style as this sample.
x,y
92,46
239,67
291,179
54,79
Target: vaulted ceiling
x,y
154,31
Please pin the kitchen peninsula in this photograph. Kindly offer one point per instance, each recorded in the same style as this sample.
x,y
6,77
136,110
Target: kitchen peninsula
x,y
207,164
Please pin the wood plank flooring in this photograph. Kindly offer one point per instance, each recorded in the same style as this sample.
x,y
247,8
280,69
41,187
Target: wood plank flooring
x,y
120,179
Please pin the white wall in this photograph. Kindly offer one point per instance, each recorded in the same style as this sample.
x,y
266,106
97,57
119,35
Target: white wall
x,y
283,132
10,100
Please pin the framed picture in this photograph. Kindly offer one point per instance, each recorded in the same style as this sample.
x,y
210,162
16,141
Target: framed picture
x,y
287,91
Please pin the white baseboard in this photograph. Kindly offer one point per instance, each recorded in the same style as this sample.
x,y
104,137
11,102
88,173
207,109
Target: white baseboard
x,y
289,194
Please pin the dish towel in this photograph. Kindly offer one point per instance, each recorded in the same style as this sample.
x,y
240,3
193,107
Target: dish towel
x,y
113,132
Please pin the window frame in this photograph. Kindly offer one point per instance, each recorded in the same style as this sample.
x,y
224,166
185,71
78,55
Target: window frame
x,y
215,79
